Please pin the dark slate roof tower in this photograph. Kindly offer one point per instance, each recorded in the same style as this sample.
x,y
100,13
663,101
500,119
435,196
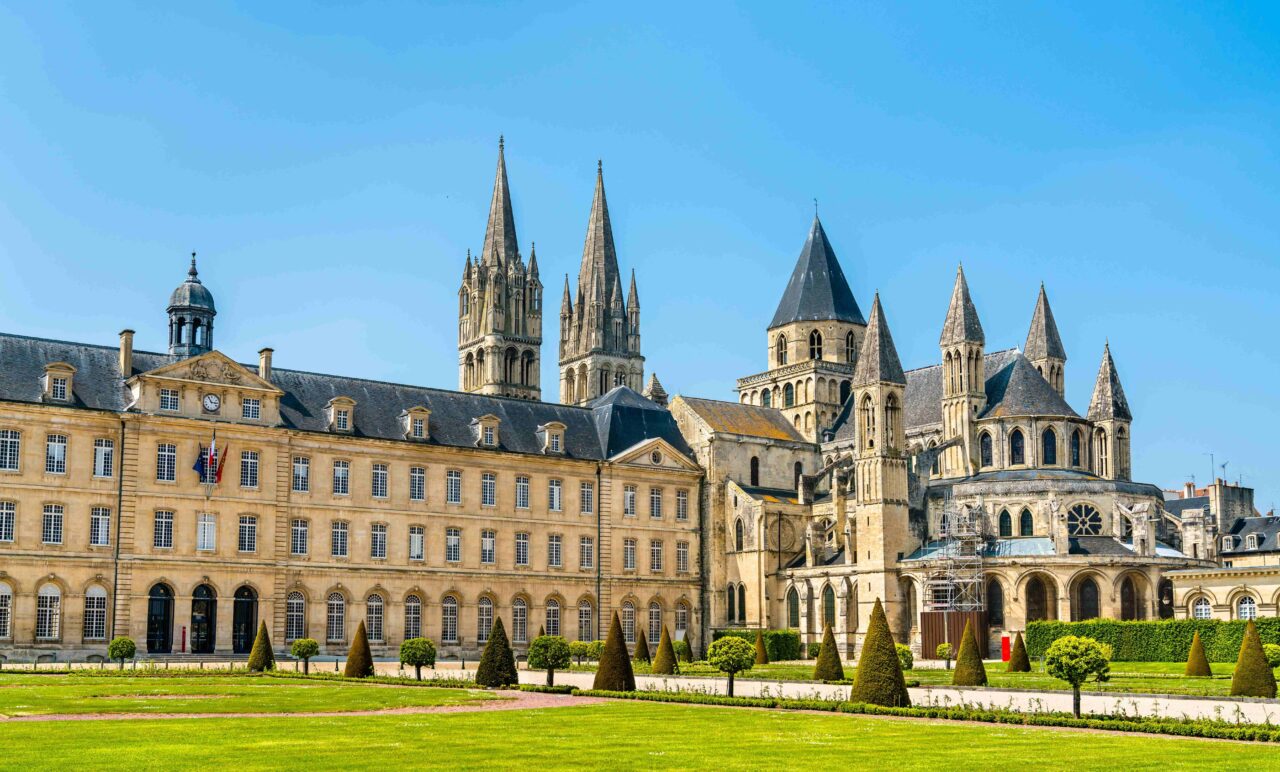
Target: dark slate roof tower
x,y
600,333
1044,346
500,307
191,313
818,290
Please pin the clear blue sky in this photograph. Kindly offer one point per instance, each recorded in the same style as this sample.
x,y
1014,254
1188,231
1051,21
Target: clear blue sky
x,y
332,166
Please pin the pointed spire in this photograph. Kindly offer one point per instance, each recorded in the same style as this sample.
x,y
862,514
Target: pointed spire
x,y
1108,400
466,267
633,297
1043,341
818,290
566,303
615,294
962,323
533,259
500,233
599,270
878,359
654,391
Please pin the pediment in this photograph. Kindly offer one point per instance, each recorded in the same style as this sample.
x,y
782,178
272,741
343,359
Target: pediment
x,y
642,454
211,367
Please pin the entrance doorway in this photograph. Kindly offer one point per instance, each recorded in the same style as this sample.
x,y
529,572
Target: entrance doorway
x,y
204,620
244,620
160,620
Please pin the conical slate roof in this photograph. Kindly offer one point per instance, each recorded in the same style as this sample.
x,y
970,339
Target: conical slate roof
x,y
1043,340
817,290
1108,396
1018,389
962,323
500,234
878,360
599,271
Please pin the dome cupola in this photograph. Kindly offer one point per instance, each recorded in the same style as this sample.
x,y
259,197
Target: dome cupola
x,y
191,311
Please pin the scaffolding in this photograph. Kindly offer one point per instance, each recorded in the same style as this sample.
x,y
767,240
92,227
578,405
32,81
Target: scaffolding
x,y
954,576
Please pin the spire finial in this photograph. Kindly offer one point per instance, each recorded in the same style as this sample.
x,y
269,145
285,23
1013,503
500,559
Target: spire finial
x,y
501,143
599,166
815,206
192,270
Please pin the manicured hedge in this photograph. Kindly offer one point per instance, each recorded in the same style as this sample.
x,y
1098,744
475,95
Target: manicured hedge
x,y
780,644
1164,641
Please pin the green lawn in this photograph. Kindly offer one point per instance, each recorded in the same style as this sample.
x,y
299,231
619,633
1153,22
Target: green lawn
x,y
24,695
617,735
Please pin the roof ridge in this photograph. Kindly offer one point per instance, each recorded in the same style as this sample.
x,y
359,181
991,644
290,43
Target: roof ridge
x,y
985,356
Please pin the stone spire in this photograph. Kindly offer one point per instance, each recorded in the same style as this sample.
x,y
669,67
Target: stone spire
x,y
654,391
599,269
566,303
962,323
878,360
1043,341
818,290
633,297
500,246
1108,402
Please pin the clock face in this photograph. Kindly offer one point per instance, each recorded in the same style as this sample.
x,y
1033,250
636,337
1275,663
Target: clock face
x,y
212,403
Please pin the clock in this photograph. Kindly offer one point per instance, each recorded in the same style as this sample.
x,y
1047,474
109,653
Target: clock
x,y
211,403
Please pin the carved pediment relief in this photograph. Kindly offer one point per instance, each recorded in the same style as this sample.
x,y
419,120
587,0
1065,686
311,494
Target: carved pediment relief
x,y
213,367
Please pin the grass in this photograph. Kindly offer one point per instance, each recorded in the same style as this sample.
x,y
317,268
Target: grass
x,y
25,695
616,735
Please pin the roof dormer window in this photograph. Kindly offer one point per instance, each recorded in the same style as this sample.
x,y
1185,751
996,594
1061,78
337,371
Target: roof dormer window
x,y
552,437
1251,542
1227,543
486,431
341,412
57,381
553,442
414,423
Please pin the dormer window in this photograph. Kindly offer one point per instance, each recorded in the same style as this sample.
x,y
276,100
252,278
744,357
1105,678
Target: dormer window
x,y
419,429
1251,542
552,437
554,442
490,436
57,381
1227,543
58,389
486,431
413,423
341,414
342,419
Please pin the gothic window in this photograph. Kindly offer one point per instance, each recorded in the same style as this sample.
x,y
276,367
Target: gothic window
x,y
1049,448
1037,600
1100,453
1025,523
781,351
937,460
1087,600
1075,448
815,345
798,470
1122,454
828,606
891,412
868,422
850,353
766,398
788,396
733,603
1006,524
984,449
793,606
739,534
1017,448
995,604
1084,520
742,604
845,388
755,469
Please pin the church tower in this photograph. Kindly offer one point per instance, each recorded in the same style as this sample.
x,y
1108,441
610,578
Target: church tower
x,y
1044,345
964,391
1111,417
600,335
191,313
500,308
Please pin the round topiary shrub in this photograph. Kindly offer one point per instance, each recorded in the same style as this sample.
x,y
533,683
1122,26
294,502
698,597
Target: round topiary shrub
x,y
731,656
683,652
418,653
497,663
580,650
945,652
879,680
1272,652
905,658
304,649
1075,659
121,648
969,668
549,653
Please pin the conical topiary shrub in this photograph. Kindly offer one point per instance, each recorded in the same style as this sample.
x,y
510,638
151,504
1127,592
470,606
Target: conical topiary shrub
x,y
497,663
1253,676
828,667
642,648
969,668
879,678
614,672
1197,662
261,657
359,660
664,662
1018,660
762,656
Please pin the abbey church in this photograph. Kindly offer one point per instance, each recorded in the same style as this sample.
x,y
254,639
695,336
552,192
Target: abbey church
x,y
181,496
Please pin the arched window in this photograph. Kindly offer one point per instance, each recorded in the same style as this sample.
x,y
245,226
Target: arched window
x,y
1006,524
891,413
95,614
1075,448
1025,523
1037,600
850,351
519,620
739,534
793,605
995,604
1246,608
845,388
1100,453
373,617
732,595
1083,520
48,613
586,621
828,606
6,611
1087,603
755,468
1130,607
655,621
797,473
484,619
449,619
1049,448
788,396
984,450
780,350
742,604
629,622
336,618
766,398
682,620
815,345
553,617
295,616
1017,449
1202,609
868,422
412,617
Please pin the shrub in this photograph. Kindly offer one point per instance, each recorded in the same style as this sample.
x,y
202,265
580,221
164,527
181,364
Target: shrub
x,y
121,648
580,650
642,648
731,656
828,667
779,645
549,653
497,663
1156,641
1075,659
683,652
595,650
762,656
969,668
1197,663
812,650
664,662
615,673
1272,652
359,660
1252,676
906,659
1018,660
879,680
418,653
261,657
945,651
304,649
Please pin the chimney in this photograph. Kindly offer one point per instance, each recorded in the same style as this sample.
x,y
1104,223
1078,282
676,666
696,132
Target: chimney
x,y
126,354
1188,490
264,363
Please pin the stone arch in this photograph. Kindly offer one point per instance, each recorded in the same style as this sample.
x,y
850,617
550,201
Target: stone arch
x,y
1042,605
1085,594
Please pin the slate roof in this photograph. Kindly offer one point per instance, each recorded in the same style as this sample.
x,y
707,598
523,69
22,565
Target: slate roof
x,y
748,420
878,360
1108,396
817,289
617,421
1018,389
962,322
192,293
1265,529
1043,339
1176,507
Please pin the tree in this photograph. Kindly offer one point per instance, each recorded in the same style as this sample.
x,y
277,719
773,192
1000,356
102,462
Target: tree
x,y
497,663
550,653
905,658
762,656
580,650
1197,662
595,650
121,648
731,655
683,652
418,653
1075,659
969,668
359,660
642,648
879,680
828,667
1019,662
614,673
304,649
945,651
1272,652
261,657
664,662
1253,676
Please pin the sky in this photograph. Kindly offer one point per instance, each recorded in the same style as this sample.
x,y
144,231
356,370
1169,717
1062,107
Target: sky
x,y
331,164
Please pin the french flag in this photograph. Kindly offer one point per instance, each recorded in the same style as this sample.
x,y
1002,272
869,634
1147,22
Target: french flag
x,y
207,462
